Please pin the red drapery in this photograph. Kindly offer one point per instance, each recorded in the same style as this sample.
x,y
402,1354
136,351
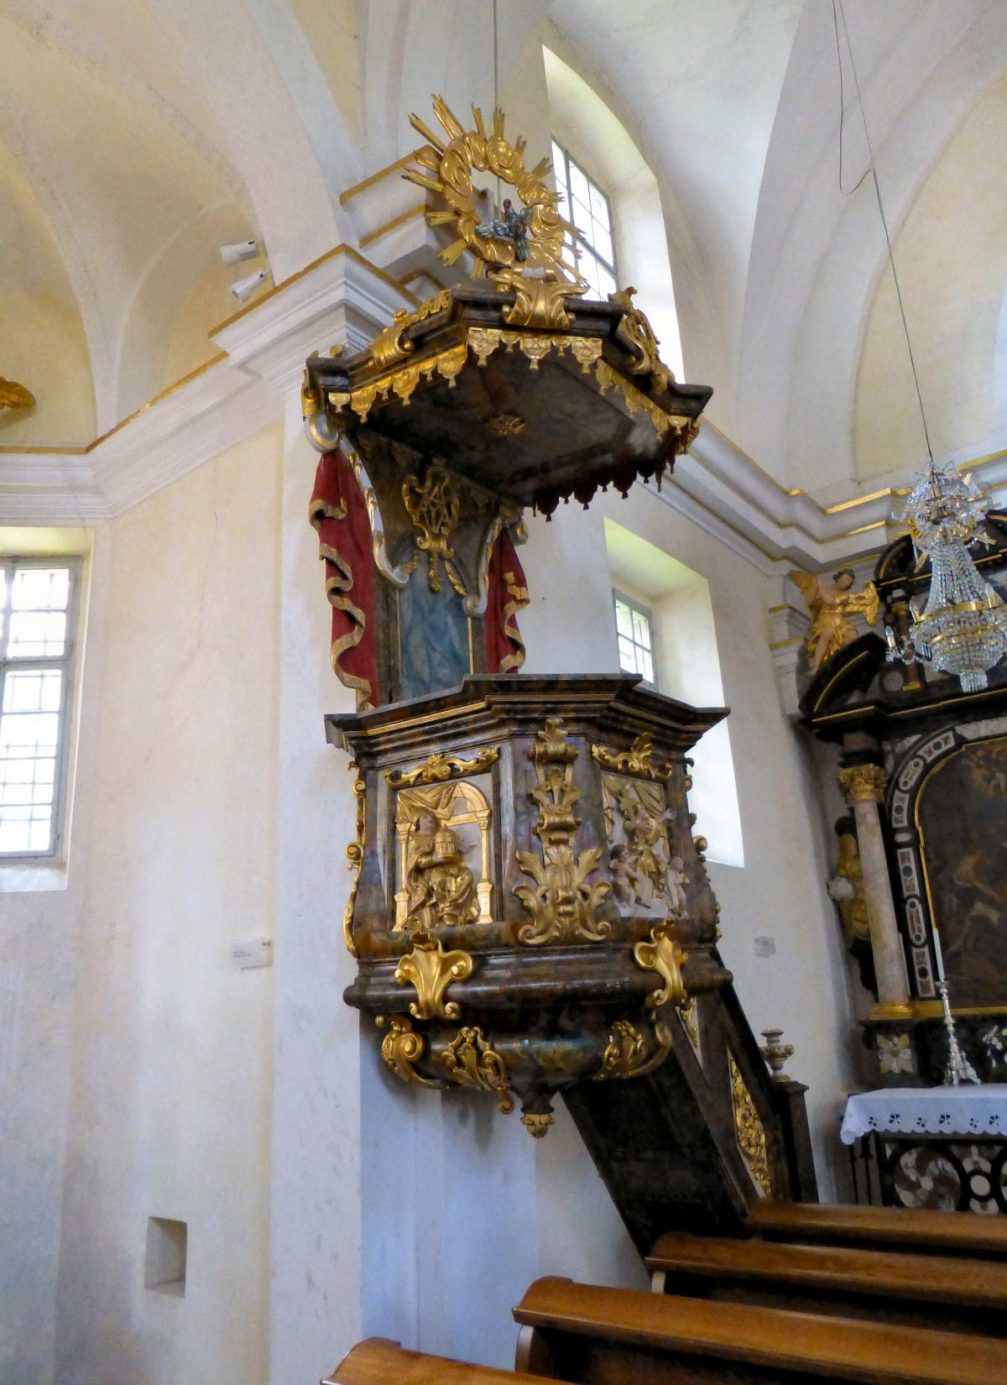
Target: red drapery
x,y
507,595
339,512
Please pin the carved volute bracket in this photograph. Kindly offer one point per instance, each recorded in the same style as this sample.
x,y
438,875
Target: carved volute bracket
x,y
628,1054
402,1047
664,955
431,971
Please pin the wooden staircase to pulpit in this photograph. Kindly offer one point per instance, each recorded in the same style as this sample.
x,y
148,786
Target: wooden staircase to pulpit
x,y
877,1296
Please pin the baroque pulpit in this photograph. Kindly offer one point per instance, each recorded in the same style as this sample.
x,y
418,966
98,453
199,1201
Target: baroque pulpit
x,y
530,911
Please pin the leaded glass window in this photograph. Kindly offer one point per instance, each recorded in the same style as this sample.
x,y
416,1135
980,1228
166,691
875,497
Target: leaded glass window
x,y
38,601
636,638
586,207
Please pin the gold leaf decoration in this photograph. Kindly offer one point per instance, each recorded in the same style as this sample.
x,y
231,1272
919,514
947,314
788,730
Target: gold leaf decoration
x,y
562,902
471,1060
15,396
749,1130
431,971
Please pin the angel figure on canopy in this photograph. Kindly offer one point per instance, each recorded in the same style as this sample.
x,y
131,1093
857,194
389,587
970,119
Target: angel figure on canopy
x,y
831,606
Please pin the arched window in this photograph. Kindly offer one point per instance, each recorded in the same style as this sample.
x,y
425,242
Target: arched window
x,y
610,194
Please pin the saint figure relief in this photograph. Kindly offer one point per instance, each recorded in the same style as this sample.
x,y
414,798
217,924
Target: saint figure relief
x,y
830,606
441,889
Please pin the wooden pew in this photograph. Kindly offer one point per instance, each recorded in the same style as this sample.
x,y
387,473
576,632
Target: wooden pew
x,y
580,1333
945,1292
380,1362
922,1231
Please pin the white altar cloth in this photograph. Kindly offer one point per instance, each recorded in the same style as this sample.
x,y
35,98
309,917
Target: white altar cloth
x,y
965,1110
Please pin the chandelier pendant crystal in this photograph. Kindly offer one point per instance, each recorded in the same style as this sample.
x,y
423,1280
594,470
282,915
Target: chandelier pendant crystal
x,y
962,628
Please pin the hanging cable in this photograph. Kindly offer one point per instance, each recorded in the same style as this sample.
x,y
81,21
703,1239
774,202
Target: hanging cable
x,y
884,222
842,112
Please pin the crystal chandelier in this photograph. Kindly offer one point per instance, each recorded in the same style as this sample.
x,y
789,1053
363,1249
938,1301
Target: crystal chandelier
x,y
962,628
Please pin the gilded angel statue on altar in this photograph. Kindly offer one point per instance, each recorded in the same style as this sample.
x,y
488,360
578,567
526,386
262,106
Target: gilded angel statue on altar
x,y
830,606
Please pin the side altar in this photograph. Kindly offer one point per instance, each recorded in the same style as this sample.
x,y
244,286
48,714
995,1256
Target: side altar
x,y
530,910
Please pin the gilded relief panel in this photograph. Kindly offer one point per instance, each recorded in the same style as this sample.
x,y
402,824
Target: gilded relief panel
x,y
647,877
443,856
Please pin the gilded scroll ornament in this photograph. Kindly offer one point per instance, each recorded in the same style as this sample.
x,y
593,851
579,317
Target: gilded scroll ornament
x,y
749,1130
431,971
15,396
628,1054
390,346
638,759
562,902
436,827
439,767
664,955
434,505
471,1060
355,857
538,302
635,326
533,235
402,1047
862,783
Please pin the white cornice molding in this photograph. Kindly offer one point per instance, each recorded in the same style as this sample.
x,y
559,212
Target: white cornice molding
x,y
340,298
344,298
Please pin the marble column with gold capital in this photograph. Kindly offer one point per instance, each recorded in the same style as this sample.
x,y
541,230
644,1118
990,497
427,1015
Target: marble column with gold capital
x,y
864,787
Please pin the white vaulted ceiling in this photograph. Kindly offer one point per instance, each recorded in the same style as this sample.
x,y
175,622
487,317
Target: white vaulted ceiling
x,y
138,135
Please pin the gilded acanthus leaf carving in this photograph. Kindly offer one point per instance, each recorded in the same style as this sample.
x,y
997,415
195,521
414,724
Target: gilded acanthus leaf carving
x,y
638,759
562,901
471,1060
749,1130
431,971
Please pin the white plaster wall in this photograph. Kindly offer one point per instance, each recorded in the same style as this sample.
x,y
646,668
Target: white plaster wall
x,y
174,842
314,1195
36,1012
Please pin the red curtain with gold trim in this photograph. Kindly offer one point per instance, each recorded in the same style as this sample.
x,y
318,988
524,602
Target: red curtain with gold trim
x,y
339,512
508,594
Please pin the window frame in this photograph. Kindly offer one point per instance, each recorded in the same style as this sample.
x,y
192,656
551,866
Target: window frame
x,y
637,606
581,242
67,663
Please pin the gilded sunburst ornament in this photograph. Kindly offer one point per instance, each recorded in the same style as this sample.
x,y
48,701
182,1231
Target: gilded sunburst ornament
x,y
511,238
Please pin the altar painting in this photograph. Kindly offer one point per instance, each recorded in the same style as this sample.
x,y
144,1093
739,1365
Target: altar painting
x,y
962,815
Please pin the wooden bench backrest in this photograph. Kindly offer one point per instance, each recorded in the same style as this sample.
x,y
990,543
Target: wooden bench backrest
x,y
885,1274
564,1313
380,1362
950,1233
